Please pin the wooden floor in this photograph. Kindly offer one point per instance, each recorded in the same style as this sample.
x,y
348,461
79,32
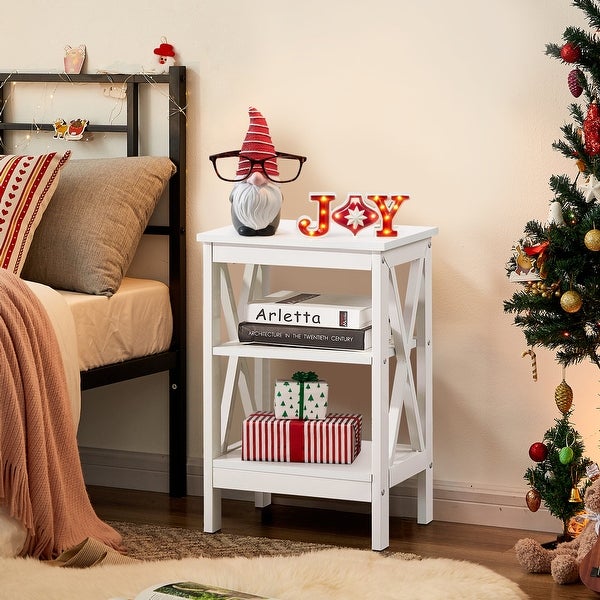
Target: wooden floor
x,y
489,546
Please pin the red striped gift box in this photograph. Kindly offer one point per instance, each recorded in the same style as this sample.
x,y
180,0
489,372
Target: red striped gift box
x,y
336,439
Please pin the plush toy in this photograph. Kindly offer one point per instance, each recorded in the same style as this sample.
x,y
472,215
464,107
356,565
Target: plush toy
x,y
165,56
563,562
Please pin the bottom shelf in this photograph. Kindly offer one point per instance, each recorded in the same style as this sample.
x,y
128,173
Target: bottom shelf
x,y
343,482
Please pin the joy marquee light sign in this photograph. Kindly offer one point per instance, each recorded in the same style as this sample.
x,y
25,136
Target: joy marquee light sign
x,y
355,214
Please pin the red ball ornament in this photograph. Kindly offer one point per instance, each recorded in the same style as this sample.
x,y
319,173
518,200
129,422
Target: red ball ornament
x,y
570,52
591,130
538,451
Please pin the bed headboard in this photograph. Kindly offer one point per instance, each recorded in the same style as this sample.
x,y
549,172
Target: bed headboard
x,y
174,360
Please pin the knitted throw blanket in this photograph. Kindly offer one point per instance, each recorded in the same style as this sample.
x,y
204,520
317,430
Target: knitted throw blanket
x,y
41,482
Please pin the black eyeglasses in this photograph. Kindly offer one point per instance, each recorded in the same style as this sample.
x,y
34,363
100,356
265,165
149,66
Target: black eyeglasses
x,y
229,167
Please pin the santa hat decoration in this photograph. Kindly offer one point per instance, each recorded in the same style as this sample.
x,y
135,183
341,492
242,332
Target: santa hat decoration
x,y
165,49
257,145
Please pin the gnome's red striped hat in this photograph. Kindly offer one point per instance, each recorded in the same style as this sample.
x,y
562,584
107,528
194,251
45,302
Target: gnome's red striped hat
x,y
257,145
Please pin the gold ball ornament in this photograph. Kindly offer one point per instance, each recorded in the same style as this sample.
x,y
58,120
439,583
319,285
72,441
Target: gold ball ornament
x,y
592,240
571,301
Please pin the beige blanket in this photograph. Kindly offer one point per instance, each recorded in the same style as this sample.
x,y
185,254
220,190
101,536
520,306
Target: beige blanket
x,y
41,483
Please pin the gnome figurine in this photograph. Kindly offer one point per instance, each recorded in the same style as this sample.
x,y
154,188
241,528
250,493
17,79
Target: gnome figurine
x,y
256,199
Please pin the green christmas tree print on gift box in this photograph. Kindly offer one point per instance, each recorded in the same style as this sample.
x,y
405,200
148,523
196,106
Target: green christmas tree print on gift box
x,y
304,396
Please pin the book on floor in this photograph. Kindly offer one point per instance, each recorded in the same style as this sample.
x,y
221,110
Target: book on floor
x,y
190,589
311,310
335,338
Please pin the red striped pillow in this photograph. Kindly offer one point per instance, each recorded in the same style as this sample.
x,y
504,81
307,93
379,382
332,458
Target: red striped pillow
x,y
26,187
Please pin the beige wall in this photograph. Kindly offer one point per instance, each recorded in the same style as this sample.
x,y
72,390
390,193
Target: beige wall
x,y
454,103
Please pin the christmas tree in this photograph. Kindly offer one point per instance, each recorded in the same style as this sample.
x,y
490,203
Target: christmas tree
x,y
559,470
558,306
556,262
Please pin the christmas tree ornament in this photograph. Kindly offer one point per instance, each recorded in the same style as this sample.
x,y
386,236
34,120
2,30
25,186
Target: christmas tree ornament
x,y
592,471
570,53
577,523
533,362
565,455
591,130
563,396
571,301
555,215
538,451
543,289
591,189
533,500
575,495
592,240
573,82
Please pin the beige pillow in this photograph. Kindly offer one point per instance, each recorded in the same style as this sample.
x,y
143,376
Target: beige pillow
x,y
91,229
26,187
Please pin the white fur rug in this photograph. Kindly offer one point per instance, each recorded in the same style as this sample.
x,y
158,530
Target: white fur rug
x,y
327,575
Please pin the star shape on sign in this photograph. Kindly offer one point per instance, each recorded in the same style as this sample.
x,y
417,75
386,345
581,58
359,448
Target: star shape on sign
x,y
355,214
355,217
591,189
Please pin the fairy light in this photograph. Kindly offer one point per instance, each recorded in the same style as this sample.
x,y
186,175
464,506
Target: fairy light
x,y
47,100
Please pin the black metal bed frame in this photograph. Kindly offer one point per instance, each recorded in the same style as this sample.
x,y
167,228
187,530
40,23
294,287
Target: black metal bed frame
x,y
174,359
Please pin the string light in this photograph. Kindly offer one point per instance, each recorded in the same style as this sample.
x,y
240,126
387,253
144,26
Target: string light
x,y
48,98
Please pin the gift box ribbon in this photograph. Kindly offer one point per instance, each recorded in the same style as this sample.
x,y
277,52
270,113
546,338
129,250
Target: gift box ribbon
x,y
303,377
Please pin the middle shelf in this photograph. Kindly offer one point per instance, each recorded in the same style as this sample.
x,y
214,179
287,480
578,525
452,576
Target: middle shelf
x,y
358,357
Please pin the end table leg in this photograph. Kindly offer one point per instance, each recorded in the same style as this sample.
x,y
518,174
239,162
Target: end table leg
x,y
262,499
425,496
380,521
212,510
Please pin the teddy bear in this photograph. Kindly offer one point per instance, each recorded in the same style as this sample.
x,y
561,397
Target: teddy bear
x,y
563,561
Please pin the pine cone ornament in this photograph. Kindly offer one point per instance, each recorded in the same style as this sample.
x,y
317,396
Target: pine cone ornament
x,y
573,81
563,396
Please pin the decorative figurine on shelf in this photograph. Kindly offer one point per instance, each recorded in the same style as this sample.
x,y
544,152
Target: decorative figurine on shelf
x,y
76,129
256,170
165,54
72,131
74,58
60,129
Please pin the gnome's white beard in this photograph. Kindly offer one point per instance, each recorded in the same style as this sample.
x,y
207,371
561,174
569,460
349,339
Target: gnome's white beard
x,y
256,206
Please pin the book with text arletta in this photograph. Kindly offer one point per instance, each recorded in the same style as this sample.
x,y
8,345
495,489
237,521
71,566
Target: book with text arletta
x,y
311,310
310,337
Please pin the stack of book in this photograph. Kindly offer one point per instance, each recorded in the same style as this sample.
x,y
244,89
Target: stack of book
x,y
288,318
